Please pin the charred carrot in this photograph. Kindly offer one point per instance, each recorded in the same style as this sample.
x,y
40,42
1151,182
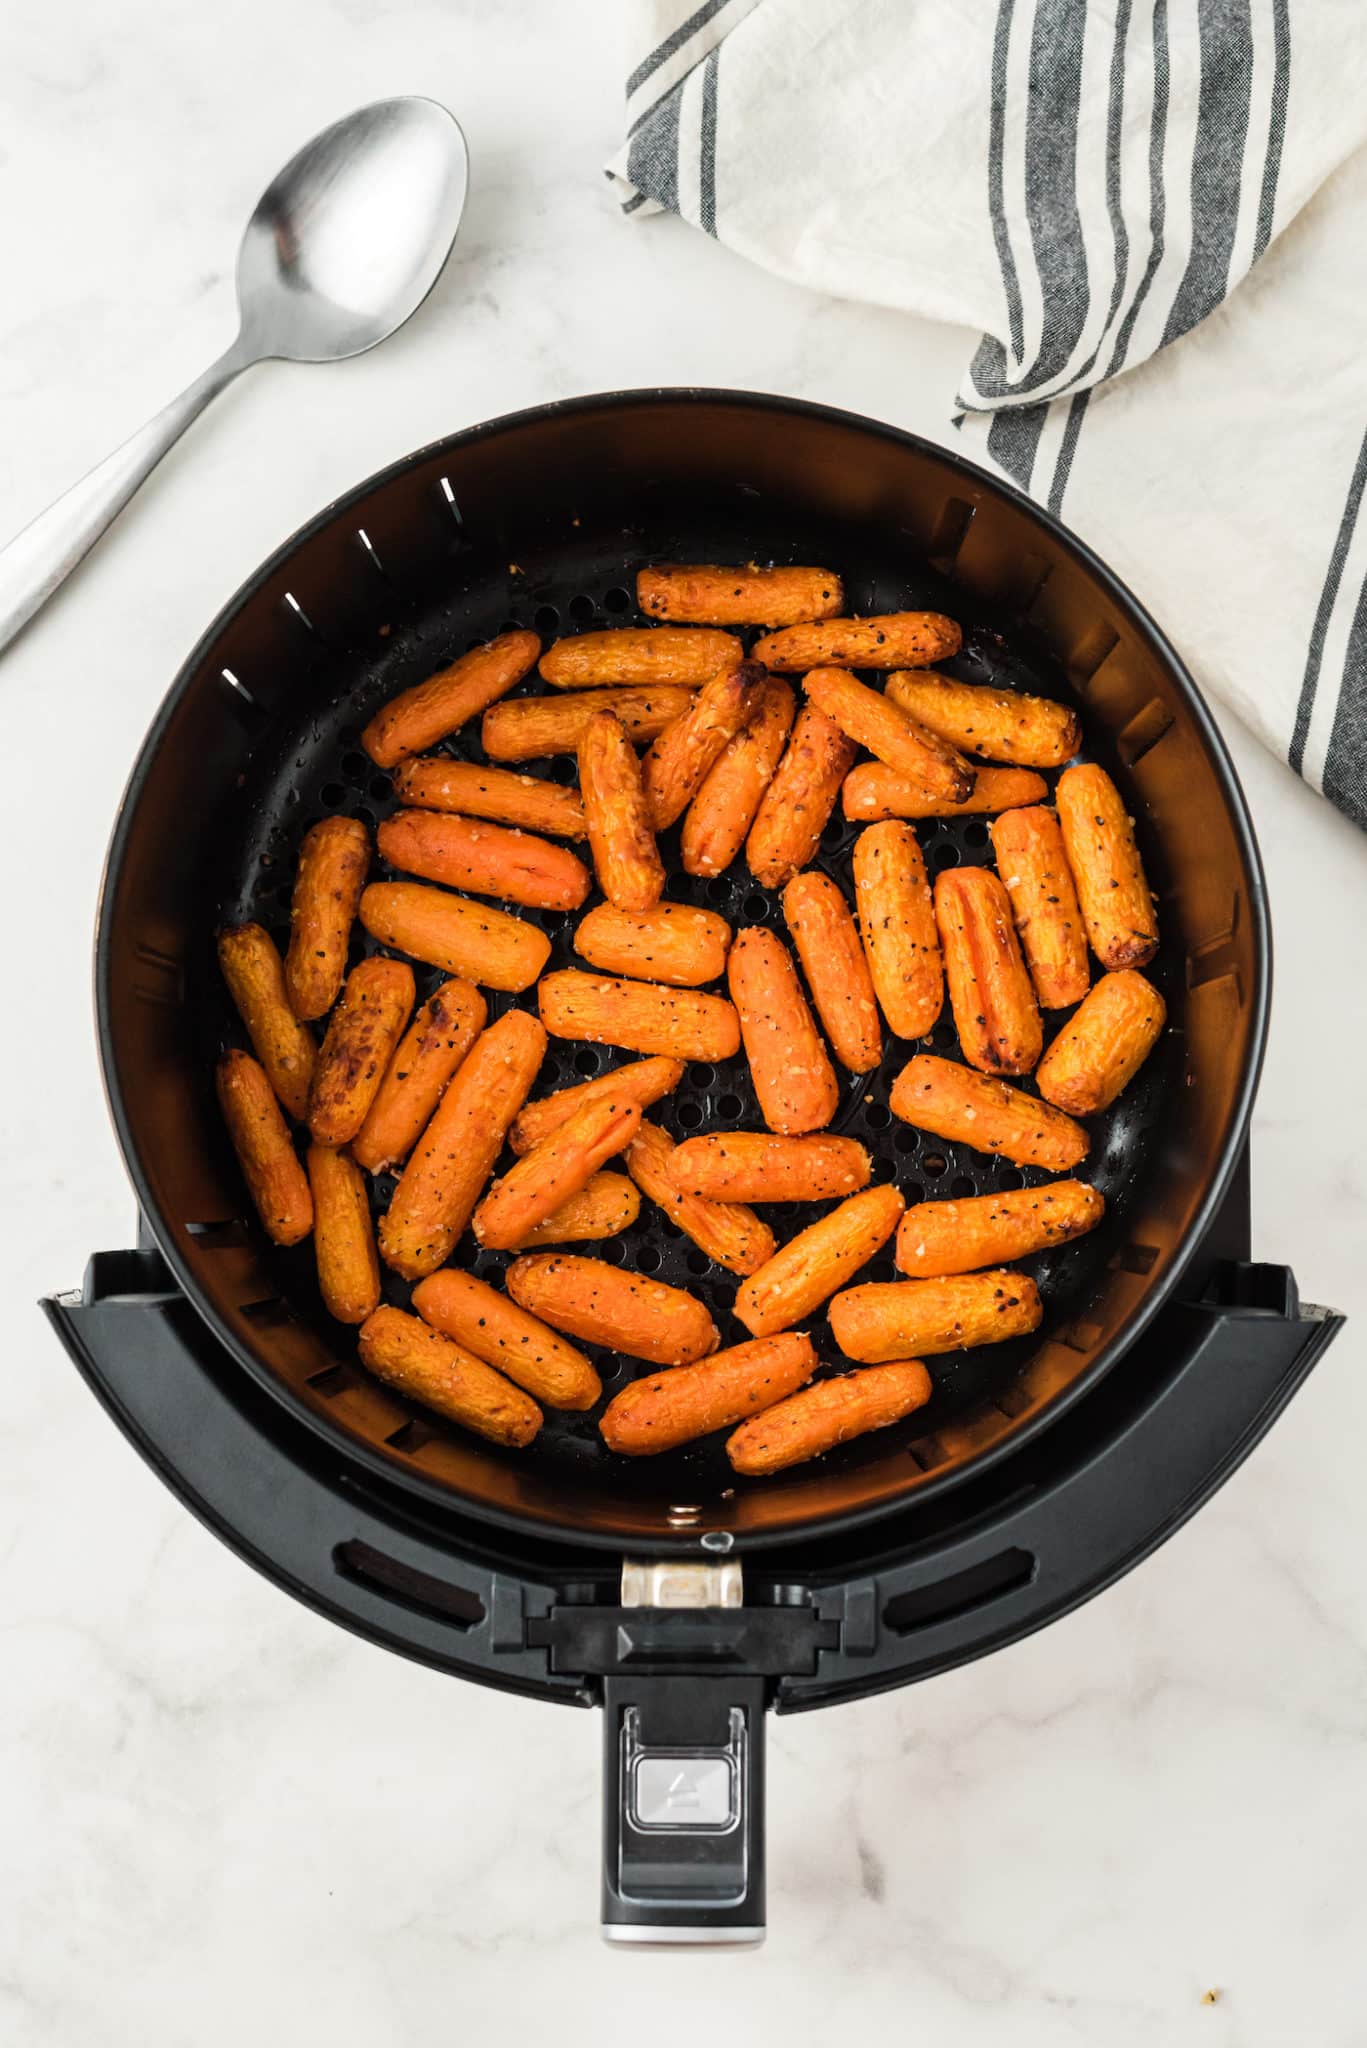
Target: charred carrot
x,y
475,941
679,761
673,943
626,859
1112,888
343,1235
450,1163
637,655
427,1055
935,1238
270,1166
990,990
794,1080
559,1167
640,1081
891,1319
800,798
333,858
362,1033
491,860
827,942
703,594
1035,873
727,1231
419,717
873,791
1001,725
256,982
485,1322
889,640
533,726
663,1410
604,1207
756,1166
426,1366
478,791
897,922
602,1304
818,1260
830,1413
953,1102
1103,1045
724,809
873,720
640,1016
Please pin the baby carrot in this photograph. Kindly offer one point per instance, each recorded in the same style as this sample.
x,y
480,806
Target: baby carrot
x,y
419,717
333,858
427,1055
256,982
818,1260
827,941
793,1076
362,1033
270,1166
617,816
665,1409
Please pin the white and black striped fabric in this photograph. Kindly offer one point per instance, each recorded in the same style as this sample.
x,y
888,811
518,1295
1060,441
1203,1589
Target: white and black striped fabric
x,y
1153,211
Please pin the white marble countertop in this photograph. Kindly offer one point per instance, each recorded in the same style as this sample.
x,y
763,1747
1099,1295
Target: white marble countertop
x,y
225,1818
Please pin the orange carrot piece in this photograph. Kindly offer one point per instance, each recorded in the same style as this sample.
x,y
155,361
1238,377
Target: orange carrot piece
x,y
532,726
830,1413
333,858
1035,873
818,1260
663,1410
799,799
252,968
680,760
873,720
605,1206
953,1102
1001,725
889,640
790,1067
890,1319
724,809
603,1304
626,859
704,594
420,1362
638,655
485,1322
362,1033
727,1231
640,1016
435,1043
672,942
343,1235
561,1166
990,990
827,942
476,790
270,1166
469,853
419,717
640,1081
475,941
756,1166
936,1238
897,920
1112,888
1103,1045
873,791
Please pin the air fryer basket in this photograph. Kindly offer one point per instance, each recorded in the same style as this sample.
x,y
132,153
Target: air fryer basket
x,y
541,520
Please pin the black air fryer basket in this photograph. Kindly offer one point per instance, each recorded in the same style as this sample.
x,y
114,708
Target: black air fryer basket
x,y
682,1599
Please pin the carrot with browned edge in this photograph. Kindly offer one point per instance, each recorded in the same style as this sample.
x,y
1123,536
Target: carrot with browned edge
x,y
532,726
640,1016
953,1102
343,1235
640,1081
334,855
607,1305
1037,879
827,942
895,1318
936,1238
491,860
564,1163
671,942
419,717
1001,725
794,1080
990,990
476,941
605,1206
830,1413
724,808
706,594
873,791
435,1043
450,1163
758,1166
1112,888
874,721
637,655
677,764
818,1260
617,819
897,924
418,1361
252,968
484,1321
270,1165
1103,1045
663,1410
728,1232
887,640
362,1033
475,790
800,797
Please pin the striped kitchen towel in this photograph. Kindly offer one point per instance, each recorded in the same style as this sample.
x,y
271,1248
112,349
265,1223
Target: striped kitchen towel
x,y
1175,190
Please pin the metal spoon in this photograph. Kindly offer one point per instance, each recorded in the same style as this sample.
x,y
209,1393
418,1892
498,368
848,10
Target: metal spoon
x,y
344,245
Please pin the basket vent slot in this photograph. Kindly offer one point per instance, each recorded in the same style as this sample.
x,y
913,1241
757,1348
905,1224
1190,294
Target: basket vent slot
x,y
959,1594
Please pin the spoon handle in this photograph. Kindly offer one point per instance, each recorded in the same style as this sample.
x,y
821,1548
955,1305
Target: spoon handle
x,y
41,558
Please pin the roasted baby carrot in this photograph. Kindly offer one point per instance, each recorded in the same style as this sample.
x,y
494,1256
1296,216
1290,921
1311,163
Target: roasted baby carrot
x,y
723,811
827,942
636,655
362,1033
677,764
256,982
559,1167
897,922
873,790
817,1261
604,1304
727,1231
477,791
663,1410
470,853
419,717
892,1319
935,1238
495,1329
450,1163
1103,1045
604,1207
475,941
830,1413
874,721
641,1016
640,1081
673,942
420,1362
705,594
532,726
1001,725
990,991
889,640
756,1166
794,1080
343,1235
799,799
1036,876
333,858
626,859
270,1166
953,1102
435,1043
1112,888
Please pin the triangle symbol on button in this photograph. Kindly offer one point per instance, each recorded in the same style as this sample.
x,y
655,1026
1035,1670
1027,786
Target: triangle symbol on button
x,y
682,1791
